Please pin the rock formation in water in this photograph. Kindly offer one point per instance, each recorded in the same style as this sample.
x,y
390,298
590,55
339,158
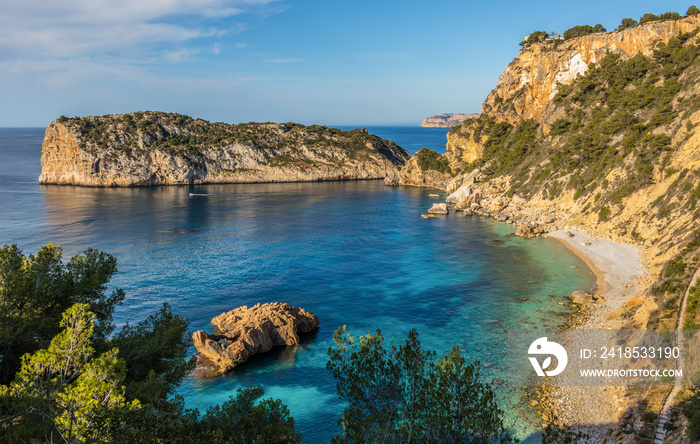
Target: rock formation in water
x,y
243,332
446,120
155,148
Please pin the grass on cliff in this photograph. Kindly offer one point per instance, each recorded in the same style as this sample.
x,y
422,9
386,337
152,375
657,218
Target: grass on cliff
x,y
622,115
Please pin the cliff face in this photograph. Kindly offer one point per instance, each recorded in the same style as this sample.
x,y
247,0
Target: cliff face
x,y
159,149
531,80
445,120
599,133
413,175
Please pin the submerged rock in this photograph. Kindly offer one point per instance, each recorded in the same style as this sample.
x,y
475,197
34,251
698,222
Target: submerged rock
x,y
249,331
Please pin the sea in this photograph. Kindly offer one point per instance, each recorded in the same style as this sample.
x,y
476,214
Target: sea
x,y
355,253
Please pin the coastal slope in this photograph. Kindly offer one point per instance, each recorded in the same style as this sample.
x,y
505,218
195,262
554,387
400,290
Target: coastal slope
x,y
156,148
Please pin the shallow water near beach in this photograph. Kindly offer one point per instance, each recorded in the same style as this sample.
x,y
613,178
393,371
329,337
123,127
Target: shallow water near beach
x,y
353,253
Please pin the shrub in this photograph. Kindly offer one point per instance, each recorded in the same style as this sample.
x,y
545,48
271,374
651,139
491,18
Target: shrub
x,y
627,23
535,37
582,30
428,159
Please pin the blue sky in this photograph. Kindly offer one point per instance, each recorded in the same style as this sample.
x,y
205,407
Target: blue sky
x,y
327,62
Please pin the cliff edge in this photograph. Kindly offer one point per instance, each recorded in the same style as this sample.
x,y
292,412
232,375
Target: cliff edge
x,y
155,148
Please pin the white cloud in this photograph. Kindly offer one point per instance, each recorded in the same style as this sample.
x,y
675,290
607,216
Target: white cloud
x,y
179,56
75,28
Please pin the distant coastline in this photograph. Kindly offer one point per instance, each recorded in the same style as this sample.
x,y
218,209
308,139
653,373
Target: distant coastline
x,y
446,120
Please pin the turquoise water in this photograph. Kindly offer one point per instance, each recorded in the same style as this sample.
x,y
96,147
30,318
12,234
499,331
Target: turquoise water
x,y
353,253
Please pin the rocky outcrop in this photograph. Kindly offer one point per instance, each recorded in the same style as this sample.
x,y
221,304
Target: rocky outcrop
x,y
439,208
153,148
243,332
412,174
446,120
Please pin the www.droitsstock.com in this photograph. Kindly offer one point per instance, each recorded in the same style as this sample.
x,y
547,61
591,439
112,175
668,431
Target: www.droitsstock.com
x,y
580,357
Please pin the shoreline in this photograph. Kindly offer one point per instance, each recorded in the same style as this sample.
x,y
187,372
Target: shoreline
x,y
619,276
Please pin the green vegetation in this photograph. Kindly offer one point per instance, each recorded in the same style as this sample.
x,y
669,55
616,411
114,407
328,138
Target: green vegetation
x,y
191,138
581,30
692,10
535,37
691,410
558,434
649,17
430,160
675,278
621,114
405,394
65,379
627,23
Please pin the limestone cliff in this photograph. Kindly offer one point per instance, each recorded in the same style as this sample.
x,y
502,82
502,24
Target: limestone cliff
x,y
446,120
154,148
531,81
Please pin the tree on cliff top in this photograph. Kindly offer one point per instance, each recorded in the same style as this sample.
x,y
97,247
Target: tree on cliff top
x,y
582,30
627,23
535,37
405,395
693,10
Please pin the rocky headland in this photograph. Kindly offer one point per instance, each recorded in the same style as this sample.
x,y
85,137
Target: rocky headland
x,y
244,332
597,132
595,139
155,148
446,120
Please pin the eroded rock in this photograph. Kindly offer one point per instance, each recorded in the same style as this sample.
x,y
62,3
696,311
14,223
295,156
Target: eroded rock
x,y
243,332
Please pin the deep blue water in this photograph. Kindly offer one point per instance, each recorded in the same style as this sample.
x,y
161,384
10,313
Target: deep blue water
x,y
353,253
412,138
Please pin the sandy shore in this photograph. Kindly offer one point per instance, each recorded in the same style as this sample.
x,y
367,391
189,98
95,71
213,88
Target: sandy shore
x,y
619,273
